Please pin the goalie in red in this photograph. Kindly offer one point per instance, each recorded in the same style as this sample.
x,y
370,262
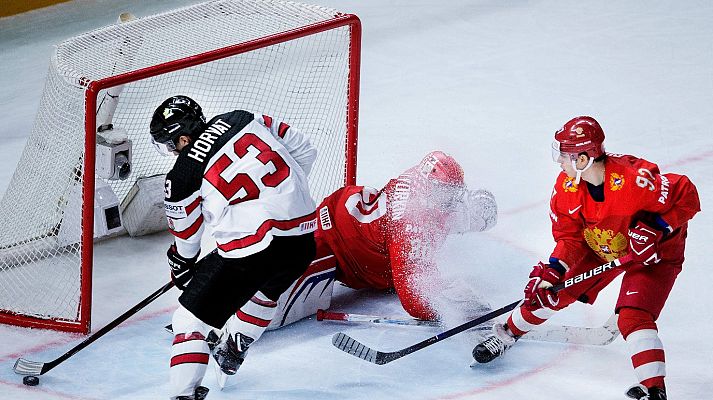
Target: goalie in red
x,y
387,239
605,206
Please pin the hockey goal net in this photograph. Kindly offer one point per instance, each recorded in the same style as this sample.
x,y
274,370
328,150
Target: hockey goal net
x,y
298,63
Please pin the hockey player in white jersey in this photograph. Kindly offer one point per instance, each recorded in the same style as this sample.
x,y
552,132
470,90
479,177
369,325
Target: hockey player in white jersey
x,y
245,176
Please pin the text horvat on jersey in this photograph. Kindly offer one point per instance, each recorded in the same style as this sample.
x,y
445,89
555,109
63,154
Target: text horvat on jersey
x,y
202,145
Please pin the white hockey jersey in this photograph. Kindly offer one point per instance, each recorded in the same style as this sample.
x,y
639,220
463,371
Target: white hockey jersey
x,y
246,177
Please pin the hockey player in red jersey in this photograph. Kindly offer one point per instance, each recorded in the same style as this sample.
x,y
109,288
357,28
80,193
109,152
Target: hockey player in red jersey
x,y
245,176
387,239
605,206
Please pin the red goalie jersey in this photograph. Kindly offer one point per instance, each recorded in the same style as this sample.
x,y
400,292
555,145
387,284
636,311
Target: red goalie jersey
x,y
387,239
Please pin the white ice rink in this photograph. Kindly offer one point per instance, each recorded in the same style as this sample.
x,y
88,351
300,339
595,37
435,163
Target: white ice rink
x,y
486,81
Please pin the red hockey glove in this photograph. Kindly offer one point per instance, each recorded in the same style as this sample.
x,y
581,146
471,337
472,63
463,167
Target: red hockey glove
x,y
181,267
644,243
538,293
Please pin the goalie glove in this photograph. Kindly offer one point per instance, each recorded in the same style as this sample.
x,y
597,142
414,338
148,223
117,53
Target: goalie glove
x,y
643,243
538,293
477,212
482,209
181,268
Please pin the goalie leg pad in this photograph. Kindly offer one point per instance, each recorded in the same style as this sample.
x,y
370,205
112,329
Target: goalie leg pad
x,y
310,292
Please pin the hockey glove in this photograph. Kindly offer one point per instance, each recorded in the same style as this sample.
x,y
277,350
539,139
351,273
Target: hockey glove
x,y
643,243
181,267
483,210
538,293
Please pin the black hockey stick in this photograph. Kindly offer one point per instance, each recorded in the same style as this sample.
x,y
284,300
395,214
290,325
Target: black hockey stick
x,y
26,367
346,344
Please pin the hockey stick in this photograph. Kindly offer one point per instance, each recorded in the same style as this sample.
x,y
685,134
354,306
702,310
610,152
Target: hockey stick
x,y
26,367
324,315
595,336
592,336
346,344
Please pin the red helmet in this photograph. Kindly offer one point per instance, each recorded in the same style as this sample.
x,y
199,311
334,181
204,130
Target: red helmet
x,y
443,179
581,135
441,167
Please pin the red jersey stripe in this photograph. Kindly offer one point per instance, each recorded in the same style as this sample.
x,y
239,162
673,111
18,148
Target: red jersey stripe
x,y
268,303
189,358
252,320
193,205
185,337
529,317
647,356
262,231
282,129
268,120
190,231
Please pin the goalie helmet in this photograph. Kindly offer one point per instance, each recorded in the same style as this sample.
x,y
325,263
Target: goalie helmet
x,y
580,135
439,166
444,177
177,116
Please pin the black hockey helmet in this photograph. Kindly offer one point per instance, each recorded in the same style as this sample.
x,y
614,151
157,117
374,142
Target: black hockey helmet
x,y
177,116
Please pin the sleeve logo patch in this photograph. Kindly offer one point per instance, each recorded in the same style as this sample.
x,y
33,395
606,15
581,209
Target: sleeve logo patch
x,y
616,182
568,185
324,218
175,211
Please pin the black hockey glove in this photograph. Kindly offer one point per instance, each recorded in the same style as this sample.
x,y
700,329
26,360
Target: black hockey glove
x,y
181,267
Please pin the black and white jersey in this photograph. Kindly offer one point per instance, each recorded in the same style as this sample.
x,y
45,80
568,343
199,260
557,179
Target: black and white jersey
x,y
246,177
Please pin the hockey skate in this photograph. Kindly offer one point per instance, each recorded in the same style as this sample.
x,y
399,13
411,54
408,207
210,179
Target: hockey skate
x,y
199,394
495,345
641,392
230,353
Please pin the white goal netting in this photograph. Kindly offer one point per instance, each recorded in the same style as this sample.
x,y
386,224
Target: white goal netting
x,y
292,61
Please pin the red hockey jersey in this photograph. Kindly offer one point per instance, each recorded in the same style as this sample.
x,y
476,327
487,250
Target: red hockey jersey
x,y
634,189
384,239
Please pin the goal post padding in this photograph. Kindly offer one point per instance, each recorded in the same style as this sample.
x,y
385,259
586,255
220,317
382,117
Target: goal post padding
x,y
298,63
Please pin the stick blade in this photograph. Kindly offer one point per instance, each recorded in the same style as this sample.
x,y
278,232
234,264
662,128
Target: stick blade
x,y
348,345
27,367
595,336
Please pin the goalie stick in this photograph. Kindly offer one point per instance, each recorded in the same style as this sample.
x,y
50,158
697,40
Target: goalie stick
x,y
592,336
351,346
324,315
27,367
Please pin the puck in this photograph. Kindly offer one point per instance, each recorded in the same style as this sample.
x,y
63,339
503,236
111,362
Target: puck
x,y
31,380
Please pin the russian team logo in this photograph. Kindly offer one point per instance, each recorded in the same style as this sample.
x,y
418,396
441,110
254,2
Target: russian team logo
x,y
568,185
616,181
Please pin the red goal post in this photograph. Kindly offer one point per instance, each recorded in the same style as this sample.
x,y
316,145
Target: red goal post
x,y
298,63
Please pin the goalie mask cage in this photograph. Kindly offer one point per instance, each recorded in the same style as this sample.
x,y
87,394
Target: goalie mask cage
x,y
298,63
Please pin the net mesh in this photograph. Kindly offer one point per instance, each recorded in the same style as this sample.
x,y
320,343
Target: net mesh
x,y
303,82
